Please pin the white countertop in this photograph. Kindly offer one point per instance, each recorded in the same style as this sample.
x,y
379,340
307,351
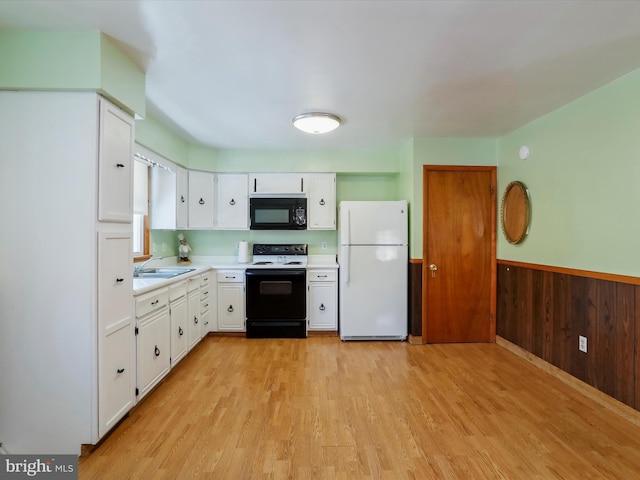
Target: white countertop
x,y
204,263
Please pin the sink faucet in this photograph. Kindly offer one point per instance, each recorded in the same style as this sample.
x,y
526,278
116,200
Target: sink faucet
x,y
140,267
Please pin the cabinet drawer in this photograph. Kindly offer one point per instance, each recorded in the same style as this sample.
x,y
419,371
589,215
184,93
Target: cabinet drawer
x,y
193,284
230,276
152,301
204,279
205,293
204,306
321,275
177,290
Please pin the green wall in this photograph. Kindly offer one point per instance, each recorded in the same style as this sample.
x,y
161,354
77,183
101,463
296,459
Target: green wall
x,y
75,61
443,151
583,176
159,138
366,161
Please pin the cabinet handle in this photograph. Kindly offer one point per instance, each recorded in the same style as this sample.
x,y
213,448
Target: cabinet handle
x,y
157,351
230,309
120,370
155,303
206,305
322,307
201,202
182,198
232,202
120,165
302,184
119,280
322,276
321,202
195,320
180,331
255,184
206,279
206,293
227,276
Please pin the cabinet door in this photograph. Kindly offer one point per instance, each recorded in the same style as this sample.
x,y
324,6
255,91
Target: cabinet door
x,y
322,201
201,203
115,178
231,307
179,335
232,201
115,279
279,183
115,392
182,198
322,306
153,350
193,321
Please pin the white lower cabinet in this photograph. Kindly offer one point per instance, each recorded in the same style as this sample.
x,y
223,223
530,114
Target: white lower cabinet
x,y
322,312
115,324
194,311
178,314
206,303
153,343
116,377
231,297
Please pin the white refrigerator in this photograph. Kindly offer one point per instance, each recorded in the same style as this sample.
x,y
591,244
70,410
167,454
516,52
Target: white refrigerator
x,y
373,258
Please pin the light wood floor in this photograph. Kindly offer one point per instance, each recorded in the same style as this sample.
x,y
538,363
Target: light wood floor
x,y
319,408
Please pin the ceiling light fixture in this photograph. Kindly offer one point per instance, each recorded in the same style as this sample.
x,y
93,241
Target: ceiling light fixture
x,y
316,122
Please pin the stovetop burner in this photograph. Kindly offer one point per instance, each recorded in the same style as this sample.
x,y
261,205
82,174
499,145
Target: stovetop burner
x,y
280,255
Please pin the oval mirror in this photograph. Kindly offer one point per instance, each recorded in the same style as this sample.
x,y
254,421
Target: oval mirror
x,y
515,212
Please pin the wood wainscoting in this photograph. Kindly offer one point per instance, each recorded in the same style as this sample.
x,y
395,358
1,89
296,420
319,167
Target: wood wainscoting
x,y
415,301
545,310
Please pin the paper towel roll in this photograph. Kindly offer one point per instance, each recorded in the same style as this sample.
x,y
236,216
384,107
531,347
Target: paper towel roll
x,y
243,252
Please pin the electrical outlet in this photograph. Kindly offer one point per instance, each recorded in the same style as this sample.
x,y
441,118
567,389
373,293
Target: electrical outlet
x,y
324,245
582,344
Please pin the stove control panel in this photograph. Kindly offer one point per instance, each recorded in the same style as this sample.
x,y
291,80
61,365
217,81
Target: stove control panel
x,y
280,248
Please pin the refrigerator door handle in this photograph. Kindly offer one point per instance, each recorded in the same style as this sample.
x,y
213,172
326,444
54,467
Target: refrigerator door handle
x,y
345,228
345,263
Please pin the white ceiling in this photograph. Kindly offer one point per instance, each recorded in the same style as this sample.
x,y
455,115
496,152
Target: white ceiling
x,y
232,74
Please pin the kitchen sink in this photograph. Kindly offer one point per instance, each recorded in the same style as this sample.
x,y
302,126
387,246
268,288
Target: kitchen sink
x,y
162,272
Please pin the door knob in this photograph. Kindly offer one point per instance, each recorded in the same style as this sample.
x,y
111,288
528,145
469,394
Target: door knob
x,y
434,268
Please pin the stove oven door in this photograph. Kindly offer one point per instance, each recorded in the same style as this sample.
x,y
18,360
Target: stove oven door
x,y
276,303
276,294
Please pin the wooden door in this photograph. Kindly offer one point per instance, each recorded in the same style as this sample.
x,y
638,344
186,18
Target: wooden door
x,y
459,272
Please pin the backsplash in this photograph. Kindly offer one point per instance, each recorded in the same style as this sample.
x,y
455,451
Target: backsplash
x,y
225,243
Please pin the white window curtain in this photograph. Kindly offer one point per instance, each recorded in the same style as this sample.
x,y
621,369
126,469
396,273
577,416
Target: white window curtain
x,y
140,188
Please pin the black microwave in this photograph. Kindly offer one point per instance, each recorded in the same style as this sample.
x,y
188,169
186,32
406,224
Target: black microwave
x,y
278,213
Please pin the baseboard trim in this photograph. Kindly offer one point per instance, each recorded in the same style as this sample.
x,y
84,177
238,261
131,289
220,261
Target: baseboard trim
x,y
415,340
322,333
607,401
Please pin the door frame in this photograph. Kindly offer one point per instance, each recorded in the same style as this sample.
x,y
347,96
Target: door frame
x,y
493,170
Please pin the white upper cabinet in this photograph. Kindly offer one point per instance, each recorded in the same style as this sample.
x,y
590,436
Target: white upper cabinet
x,y
115,179
201,200
322,201
232,201
278,183
182,198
